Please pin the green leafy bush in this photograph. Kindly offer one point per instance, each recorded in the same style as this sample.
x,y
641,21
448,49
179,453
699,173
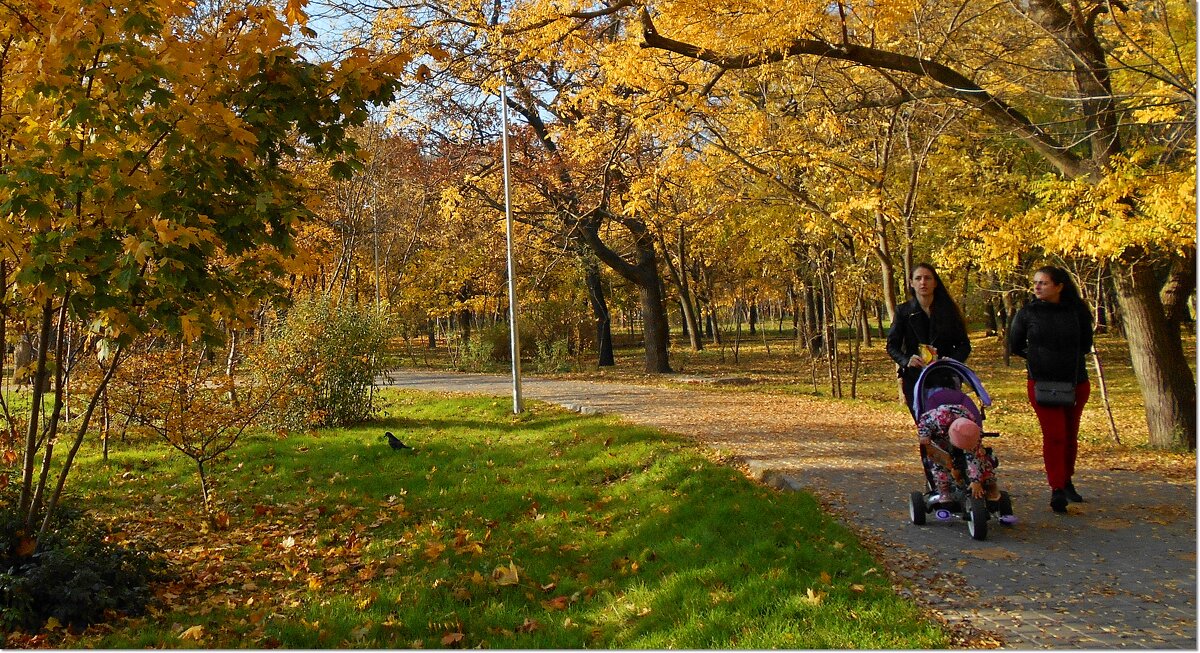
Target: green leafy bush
x,y
487,349
554,356
330,355
76,575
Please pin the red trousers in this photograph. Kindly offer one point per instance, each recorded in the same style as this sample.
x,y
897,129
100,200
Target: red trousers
x,y
1060,435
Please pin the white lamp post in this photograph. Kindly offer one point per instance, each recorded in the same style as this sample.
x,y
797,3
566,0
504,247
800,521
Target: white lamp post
x,y
515,338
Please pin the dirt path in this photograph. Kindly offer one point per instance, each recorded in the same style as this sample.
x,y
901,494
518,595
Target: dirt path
x,y
1119,571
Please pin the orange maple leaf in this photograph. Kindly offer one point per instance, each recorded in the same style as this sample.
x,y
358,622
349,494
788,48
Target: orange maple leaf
x,y
294,12
434,550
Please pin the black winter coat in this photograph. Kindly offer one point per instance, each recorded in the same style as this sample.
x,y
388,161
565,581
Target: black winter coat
x,y
1054,340
912,328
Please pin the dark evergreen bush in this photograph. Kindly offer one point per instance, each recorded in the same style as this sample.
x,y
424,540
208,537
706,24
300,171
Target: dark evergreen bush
x,y
76,575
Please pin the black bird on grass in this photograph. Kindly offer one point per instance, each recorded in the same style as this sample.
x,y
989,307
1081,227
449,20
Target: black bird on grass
x,y
394,442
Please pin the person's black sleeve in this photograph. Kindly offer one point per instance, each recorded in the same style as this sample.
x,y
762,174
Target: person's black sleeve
x,y
1017,334
960,349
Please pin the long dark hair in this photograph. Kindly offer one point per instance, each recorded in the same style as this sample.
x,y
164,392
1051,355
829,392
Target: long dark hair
x,y
1070,292
944,305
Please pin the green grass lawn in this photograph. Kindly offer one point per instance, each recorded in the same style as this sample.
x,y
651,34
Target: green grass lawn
x,y
544,530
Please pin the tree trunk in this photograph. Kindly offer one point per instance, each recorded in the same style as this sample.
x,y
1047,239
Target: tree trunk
x,y
464,324
654,328
966,287
595,288
644,274
1181,284
887,267
230,365
737,330
816,320
795,303
1167,384
79,435
678,274
31,439
50,433
1006,309
864,322
1101,303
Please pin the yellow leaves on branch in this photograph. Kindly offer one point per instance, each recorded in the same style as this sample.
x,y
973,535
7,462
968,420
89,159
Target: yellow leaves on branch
x,y
294,12
1129,210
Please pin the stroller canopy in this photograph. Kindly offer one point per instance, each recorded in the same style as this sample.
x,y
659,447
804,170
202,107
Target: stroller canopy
x,y
949,366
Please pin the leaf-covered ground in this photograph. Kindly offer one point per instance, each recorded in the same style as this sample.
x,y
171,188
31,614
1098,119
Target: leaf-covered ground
x,y
547,530
859,455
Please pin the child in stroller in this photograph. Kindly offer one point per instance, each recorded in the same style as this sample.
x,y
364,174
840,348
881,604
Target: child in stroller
x,y
959,471
946,433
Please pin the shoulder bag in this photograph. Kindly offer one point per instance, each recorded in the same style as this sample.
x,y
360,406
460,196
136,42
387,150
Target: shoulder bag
x,y
1054,393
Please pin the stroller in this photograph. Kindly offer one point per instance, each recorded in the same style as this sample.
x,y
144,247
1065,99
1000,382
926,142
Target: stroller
x,y
941,383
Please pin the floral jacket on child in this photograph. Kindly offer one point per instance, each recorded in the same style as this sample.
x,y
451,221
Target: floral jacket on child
x,y
935,425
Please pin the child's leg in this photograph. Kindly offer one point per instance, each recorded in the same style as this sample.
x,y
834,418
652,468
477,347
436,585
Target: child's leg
x,y
941,480
991,489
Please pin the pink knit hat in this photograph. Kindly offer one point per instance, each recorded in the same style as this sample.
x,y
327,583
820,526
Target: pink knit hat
x,y
964,434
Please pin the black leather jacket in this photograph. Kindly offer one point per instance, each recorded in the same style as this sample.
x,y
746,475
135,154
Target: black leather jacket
x,y
1054,340
912,327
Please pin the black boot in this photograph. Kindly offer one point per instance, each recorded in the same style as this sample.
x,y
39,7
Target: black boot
x,y
1072,494
1058,500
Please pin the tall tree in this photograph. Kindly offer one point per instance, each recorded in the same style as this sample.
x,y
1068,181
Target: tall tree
x,y
142,178
1083,49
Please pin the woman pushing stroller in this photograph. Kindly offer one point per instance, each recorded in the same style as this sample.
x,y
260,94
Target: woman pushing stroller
x,y
927,327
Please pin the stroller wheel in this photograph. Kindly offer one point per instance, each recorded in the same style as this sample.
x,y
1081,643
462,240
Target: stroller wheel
x,y
978,513
916,508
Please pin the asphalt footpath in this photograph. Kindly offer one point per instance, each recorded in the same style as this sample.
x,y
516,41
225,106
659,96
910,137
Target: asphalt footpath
x,y
1117,572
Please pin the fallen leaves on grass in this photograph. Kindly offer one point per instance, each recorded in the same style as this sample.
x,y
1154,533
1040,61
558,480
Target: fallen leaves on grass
x,y
506,575
813,597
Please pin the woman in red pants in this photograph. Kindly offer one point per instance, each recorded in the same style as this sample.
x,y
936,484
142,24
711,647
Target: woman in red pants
x,y
1053,333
